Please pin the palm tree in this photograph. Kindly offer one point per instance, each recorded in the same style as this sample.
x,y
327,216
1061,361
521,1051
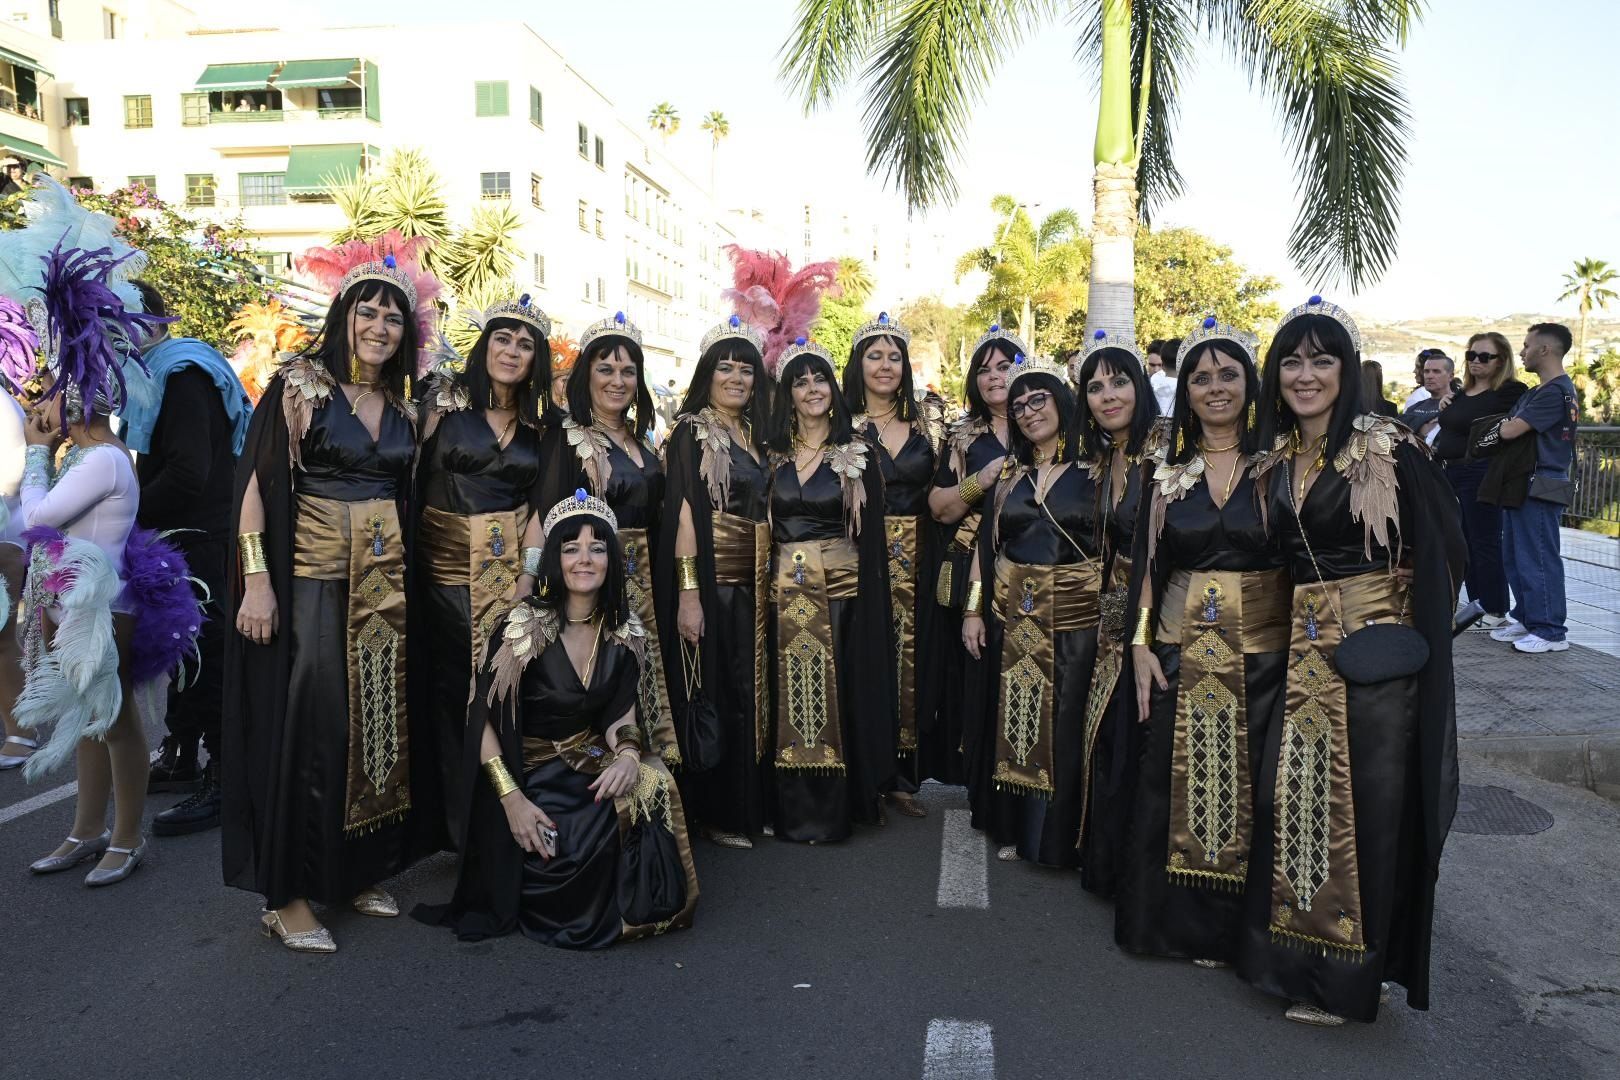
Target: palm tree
x,y
665,120
1589,283
718,128
854,281
1037,269
1329,67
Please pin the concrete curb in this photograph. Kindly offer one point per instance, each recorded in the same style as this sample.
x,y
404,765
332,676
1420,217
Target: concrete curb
x,y
1588,761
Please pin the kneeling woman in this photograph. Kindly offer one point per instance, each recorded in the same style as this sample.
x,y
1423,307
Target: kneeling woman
x,y
837,725
590,847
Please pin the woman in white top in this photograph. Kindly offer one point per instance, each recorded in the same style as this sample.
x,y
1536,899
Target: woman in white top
x,y
19,742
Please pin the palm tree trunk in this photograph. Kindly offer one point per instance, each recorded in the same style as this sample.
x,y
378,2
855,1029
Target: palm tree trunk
x,y
1580,341
1111,303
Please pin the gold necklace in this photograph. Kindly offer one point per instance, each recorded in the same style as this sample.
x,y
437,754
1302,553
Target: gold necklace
x,y
354,406
1218,449
1297,449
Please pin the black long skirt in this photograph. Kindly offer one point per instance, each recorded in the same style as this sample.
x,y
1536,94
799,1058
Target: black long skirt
x,y
941,708
1156,916
1111,788
970,704
444,619
304,850
1047,830
1389,825
732,796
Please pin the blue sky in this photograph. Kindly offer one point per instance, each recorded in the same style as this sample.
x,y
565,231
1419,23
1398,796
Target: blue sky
x,y
1513,164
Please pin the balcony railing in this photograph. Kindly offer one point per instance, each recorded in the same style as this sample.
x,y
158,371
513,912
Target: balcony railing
x,y
1596,472
10,104
244,116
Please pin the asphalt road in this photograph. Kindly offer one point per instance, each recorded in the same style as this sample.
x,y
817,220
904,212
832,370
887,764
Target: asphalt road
x,y
834,961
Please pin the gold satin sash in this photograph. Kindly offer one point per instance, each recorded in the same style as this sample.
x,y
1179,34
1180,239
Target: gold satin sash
x,y
742,557
902,534
1315,884
361,543
964,540
1035,604
653,714
1217,617
479,551
809,576
1105,672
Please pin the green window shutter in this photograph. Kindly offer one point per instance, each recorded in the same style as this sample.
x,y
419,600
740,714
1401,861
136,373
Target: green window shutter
x,y
373,92
500,102
491,98
537,115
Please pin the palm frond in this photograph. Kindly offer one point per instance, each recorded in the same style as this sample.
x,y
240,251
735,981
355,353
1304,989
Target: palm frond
x,y
486,251
830,42
355,194
1059,227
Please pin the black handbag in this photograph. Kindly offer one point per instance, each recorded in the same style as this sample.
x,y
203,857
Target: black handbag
x,y
1484,436
652,880
1553,489
698,729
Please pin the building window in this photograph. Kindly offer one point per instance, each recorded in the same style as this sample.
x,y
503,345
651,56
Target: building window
x,y
534,191
200,189
81,183
138,110
601,291
276,262
600,154
147,182
263,189
587,289
537,111
490,98
584,142
112,22
600,231
78,111
495,185
193,110
582,209
539,269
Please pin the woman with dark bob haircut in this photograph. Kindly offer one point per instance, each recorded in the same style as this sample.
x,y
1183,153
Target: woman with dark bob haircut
x,y
1033,608
1118,427
480,459
601,446
1358,780
576,836
970,463
714,525
833,658
318,753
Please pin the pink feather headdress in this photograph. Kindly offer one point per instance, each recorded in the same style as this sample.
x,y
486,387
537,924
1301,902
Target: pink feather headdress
x,y
769,293
330,265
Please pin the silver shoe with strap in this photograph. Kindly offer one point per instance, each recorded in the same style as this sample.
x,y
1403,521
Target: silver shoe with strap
x,y
82,850
1309,1014
318,940
17,761
132,858
376,903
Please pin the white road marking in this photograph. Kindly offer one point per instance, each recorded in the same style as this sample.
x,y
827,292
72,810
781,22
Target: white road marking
x,y
43,799
959,1050
963,863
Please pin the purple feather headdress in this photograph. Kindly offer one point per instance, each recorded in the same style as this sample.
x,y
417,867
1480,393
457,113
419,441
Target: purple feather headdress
x,y
87,332
19,343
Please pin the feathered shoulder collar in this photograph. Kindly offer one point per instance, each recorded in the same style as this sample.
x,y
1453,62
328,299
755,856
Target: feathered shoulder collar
x,y
446,392
529,629
305,386
592,446
1367,463
714,440
848,462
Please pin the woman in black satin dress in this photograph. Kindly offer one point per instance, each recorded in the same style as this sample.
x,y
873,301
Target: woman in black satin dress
x,y
832,656
1358,779
574,837
714,526
1118,429
970,462
1208,667
317,747
1035,617
906,435
601,446
480,458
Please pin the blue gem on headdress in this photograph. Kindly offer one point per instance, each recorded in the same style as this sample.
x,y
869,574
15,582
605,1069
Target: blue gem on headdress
x,y
579,496
883,318
523,301
995,328
1209,322
1100,335
1018,358
735,322
1313,301
618,317
801,341
389,261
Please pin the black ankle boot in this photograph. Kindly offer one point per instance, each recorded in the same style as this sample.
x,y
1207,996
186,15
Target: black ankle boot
x,y
176,766
199,812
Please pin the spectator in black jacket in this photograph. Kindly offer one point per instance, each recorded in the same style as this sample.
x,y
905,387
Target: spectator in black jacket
x,y
186,463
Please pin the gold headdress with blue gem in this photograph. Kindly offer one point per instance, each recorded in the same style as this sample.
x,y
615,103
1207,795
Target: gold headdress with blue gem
x,y
882,326
522,310
802,346
618,326
733,329
1317,306
581,502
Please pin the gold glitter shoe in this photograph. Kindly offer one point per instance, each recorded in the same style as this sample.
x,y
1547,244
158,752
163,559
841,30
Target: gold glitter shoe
x,y
907,805
1310,1014
1008,854
736,841
318,940
376,903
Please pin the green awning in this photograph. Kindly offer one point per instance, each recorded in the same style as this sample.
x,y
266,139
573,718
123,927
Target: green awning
x,y
224,78
311,168
29,151
25,61
316,74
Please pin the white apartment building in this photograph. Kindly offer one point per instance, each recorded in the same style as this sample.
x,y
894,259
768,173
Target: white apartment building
x,y
255,122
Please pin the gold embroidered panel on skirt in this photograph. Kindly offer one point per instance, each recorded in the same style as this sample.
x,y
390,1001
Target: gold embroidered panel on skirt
x,y
742,557
964,540
1034,605
1315,887
652,697
901,535
479,551
809,576
1220,617
1105,672
366,536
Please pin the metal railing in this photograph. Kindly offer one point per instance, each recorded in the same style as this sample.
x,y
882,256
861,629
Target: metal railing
x,y
1596,473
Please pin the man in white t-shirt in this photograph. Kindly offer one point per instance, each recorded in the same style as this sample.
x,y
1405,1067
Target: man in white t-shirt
x,y
1163,381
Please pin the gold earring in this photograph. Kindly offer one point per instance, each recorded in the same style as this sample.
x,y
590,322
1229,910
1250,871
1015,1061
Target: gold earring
x,y
354,370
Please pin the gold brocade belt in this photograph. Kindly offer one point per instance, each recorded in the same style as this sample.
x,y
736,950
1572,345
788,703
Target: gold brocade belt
x,y
902,535
742,557
479,551
1106,670
1315,883
810,575
1216,617
361,543
1035,604
652,696
964,539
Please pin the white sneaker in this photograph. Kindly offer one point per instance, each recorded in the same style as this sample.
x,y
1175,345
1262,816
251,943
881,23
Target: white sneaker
x,y
1530,643
1512,631
1491,622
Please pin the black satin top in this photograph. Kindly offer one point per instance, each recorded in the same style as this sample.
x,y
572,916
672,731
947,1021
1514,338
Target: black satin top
x,y
981,451
905,477
812,512
1337,540
466,472
750,486
1027,534
636,492
555,705
1120,519
1198,535
342,462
